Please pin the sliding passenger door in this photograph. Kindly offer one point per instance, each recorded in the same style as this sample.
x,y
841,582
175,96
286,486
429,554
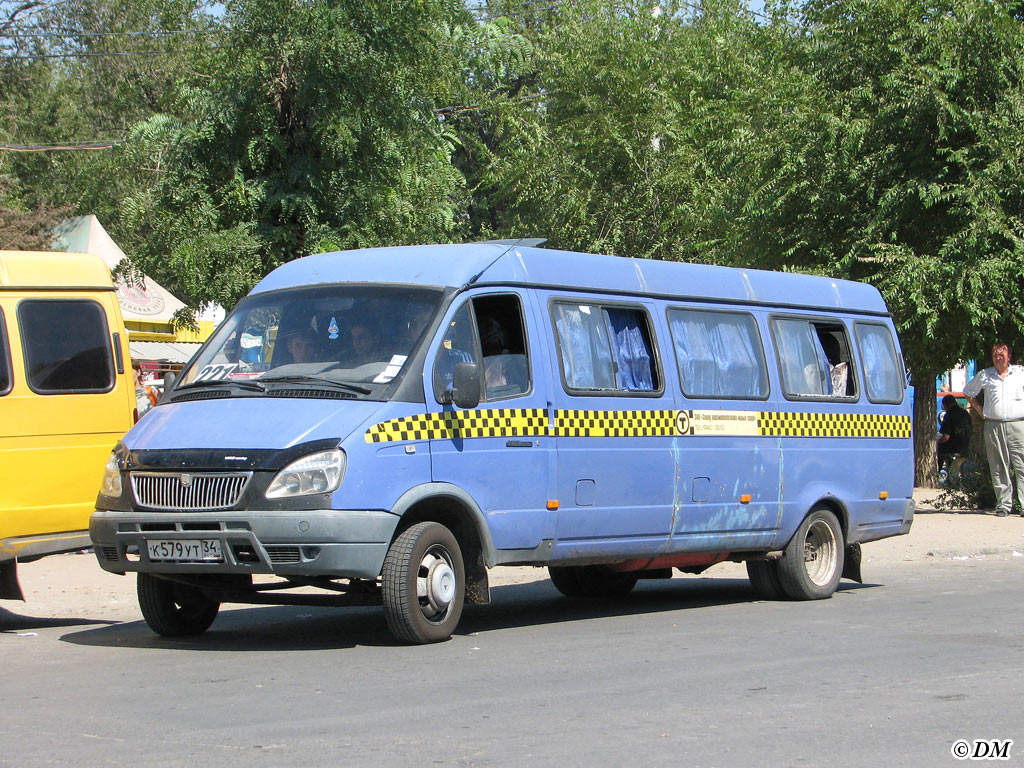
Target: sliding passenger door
x,y
728,462
613,421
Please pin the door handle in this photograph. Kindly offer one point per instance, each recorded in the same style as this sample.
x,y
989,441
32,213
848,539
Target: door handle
x,y
519,443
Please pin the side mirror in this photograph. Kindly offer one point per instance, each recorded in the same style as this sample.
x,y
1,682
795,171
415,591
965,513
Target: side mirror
x,y
466,385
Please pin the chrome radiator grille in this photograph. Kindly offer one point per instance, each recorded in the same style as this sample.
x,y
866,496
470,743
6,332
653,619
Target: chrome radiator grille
x,y
186,491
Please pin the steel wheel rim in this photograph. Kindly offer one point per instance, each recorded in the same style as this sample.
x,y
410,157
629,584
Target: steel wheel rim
x,y
436,584
820,552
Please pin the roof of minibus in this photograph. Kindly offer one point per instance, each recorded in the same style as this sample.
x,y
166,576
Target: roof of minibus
x,y
501,264
53,269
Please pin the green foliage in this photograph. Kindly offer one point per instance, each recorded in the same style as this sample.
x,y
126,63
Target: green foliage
x,y
61,83
647,136
23,228
316,129
909,176
971,488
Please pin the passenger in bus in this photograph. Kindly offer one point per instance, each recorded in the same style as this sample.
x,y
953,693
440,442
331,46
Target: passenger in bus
x,y
302,347
838,369
492,343
416,321
299,347
364,344
1003,388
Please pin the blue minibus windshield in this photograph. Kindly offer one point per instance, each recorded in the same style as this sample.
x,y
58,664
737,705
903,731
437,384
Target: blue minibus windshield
x,y
341,334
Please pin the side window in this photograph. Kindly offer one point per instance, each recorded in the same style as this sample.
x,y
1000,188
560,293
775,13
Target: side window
x,y
5,358
814,359
719,354
503,344
67,346
882,376
497,321
457,346
605,348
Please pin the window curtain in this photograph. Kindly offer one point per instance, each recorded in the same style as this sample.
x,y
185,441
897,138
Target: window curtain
x,y
880,365
633,359
586,353
718,354
801,358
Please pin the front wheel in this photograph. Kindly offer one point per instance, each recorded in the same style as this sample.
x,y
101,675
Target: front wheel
x,y
812,562
172,609
423,584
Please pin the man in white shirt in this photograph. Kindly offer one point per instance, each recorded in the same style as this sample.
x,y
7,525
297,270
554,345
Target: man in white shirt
x,y
1003,412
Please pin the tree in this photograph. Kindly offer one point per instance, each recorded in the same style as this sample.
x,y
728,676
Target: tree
x,y
22,228
645,130
909,177
315,129
75,78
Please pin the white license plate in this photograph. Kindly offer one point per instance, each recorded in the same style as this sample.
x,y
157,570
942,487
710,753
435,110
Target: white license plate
x,y
185,550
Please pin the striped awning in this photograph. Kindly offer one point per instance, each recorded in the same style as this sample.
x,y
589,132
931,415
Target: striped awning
x,y
163,351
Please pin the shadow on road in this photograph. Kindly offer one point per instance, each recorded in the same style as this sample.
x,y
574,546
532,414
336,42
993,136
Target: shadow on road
x,y
539,603
15,622
532,604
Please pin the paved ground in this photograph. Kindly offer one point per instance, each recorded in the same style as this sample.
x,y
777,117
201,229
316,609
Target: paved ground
x,y
73,586
695,672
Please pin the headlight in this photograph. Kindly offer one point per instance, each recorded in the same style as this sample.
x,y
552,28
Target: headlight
x,y
316,473
111,478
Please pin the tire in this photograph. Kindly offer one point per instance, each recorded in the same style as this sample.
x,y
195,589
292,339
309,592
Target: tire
x,y
812,562
602,581
764,578
423,584
597,581
566,580
172,609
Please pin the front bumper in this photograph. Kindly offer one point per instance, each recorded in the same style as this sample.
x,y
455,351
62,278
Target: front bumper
x,y
308,543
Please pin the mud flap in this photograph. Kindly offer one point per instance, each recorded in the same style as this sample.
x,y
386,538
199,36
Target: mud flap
x,y
478,588
851,563
10,589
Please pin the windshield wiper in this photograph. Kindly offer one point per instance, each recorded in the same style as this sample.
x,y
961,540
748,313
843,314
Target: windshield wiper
x,y
251,385
318,382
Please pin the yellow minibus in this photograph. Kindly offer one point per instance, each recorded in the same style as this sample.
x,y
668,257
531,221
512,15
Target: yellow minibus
x,y
66,397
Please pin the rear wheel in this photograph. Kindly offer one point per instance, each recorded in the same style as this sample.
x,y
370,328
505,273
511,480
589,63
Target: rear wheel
x,y
423,584
591,581
764,578
602,581
172,609
812,562
566,580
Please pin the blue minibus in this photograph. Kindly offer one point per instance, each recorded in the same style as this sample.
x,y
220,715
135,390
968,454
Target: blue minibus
x,y
389,424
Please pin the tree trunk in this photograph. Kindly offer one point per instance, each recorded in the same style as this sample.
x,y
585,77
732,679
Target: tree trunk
x,y
926,473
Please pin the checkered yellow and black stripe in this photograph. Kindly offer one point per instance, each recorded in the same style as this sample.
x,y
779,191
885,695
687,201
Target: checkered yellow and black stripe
x,y
537,422
795,424
615,423
495,422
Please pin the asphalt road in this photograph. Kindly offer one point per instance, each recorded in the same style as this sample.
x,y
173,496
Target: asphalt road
x,y
691,672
